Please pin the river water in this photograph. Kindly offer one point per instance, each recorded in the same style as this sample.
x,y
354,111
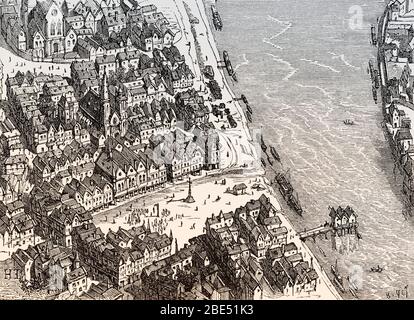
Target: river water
x,y
302,65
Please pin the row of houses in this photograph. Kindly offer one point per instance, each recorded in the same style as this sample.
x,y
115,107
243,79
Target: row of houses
x,y
119,257
58,269
399,90
47,265
75,161
398,102
16,226
11,26
133,76
57,29
46,108
401,141
188,274
168,62
254,231
13,160
99,176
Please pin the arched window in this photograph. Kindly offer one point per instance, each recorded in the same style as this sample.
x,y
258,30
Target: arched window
x,y
52,29
59,28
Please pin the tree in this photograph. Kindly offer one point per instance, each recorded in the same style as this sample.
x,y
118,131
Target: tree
x,y
130,75
215,89
120,74
19,77
112,78
46,104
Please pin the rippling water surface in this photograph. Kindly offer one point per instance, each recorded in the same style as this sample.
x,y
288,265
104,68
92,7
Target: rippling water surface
x,y
303,70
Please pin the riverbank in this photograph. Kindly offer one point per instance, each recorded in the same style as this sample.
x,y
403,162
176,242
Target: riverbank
x,y
403,174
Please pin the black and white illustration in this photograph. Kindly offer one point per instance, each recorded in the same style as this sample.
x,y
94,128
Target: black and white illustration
x,y
206,149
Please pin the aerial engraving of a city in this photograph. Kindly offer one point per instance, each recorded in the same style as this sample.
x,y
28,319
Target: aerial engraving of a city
x,y
206,150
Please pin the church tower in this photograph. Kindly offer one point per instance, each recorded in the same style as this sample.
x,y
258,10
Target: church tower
x,y
24,12
106,105
123,106
65,8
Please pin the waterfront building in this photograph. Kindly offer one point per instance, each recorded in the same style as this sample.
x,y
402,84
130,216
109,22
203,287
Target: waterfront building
x,y
343,219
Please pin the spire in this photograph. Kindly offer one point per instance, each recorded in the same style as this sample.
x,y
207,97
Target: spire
x,y
104,86
104,95
77,260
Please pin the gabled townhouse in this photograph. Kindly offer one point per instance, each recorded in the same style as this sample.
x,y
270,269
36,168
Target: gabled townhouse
x,y
15,35
92,193
128,58
88,48
8,192
63,220
17,226
105,63
81,72
129,172
91,12
113,20
152,36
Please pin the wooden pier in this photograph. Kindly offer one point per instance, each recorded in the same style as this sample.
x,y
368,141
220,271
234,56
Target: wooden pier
x,y
313,233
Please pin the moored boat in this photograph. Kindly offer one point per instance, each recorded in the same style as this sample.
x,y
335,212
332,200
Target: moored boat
x,y
374,94
234,76
349,122
373,35
270,161
285,186
337,277
227,62
262,144
249,116
218,24
274,153
371,67
294,203
376,79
